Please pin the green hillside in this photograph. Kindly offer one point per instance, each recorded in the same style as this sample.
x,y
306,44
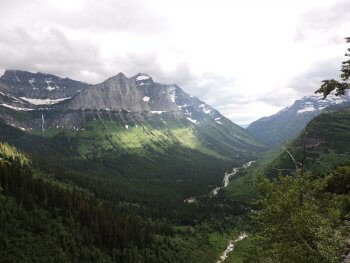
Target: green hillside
x,y
45,219
302,216
330,132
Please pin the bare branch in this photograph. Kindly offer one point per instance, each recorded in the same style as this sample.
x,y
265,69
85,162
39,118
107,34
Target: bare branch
x,y
315,145
324,165
292,157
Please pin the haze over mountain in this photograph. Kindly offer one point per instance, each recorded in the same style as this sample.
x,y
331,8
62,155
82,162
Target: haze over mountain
x,y
286,124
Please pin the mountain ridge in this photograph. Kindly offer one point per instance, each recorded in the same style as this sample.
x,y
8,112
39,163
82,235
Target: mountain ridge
x,y
130,104
287,123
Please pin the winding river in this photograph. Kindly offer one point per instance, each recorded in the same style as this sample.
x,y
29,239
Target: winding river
x,y
214,192
230,247
227,177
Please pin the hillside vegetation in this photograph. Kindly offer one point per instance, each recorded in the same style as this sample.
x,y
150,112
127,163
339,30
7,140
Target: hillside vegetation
x,y
301,206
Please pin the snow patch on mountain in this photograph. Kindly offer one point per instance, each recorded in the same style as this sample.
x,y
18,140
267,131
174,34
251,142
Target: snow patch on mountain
x,y
205,108
318,103
48,81
146,98
43,101
31,81
172,93
192,120
16,108
307,109
142,77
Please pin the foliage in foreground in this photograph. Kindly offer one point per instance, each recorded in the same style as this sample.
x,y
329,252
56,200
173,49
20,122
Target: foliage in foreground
x,y
301,219
342,86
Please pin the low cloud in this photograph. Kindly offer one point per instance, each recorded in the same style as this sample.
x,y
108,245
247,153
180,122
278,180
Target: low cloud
x,y
92,40
49,51
311,80
325,20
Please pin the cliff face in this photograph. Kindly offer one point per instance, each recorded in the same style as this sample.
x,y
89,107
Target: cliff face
x,y
40,86
129,94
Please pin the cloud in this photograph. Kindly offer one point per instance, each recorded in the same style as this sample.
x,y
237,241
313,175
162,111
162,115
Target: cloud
x,y
242,58
90,15
311,79
48,51
325,20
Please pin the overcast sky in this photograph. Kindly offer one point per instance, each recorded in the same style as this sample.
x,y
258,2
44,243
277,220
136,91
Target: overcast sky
x,y
247,58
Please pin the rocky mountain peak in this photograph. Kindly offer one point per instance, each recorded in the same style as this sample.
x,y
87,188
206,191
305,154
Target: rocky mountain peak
x,y
136,94
39,86
118,80
13,75
120,75
288,122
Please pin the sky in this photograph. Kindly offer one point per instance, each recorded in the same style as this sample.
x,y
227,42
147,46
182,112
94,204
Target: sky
x,y
246,58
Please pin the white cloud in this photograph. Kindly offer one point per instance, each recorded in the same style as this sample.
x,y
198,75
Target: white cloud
x,y
247,58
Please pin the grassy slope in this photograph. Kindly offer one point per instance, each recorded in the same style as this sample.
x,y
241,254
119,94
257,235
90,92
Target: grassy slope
x,y
153,158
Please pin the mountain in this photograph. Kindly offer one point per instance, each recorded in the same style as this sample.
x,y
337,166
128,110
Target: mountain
x,y
132,105
39,88
133,131
317,189
137,94
287,123
107,169
329,132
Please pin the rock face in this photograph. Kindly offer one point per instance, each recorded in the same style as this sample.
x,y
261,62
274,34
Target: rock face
x,y
10,101
287,123
39,86
118,93
141,94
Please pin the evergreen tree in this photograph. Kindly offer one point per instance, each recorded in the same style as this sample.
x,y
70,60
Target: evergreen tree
x,y
339,86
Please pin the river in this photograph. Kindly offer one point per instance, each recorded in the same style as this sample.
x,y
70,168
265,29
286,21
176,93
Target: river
x,y
230,247
227,177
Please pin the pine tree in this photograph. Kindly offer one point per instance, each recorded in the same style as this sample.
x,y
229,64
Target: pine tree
x,y
339,86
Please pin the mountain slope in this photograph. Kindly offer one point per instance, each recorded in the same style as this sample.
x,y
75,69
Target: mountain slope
x,y
317,163
44,219
329,131
135,103
287,123
130,132
39,88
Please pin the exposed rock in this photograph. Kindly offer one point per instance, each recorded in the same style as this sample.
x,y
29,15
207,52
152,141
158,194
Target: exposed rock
x,y
40,86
